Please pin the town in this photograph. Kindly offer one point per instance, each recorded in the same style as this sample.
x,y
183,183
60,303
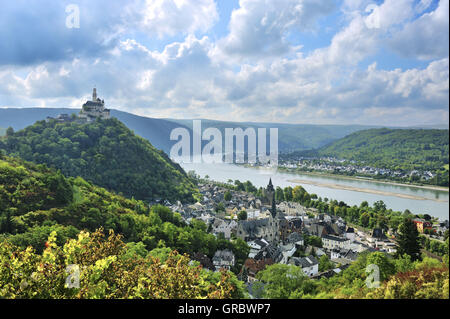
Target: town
x,y
284,232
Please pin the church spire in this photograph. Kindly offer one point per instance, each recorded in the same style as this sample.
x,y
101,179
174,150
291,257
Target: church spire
x,y
270,186
273,209
270,192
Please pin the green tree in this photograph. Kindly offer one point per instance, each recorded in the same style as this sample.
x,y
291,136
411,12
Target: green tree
x,y
285,281
220,207
408,240
9,131
279,194
325,263
242,215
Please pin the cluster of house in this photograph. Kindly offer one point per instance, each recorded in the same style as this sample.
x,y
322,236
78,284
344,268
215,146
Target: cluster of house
x,y
276,233
328,164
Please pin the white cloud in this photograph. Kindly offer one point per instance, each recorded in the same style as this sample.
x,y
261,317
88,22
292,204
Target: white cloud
x,y
259,28
425,38
169,17
262,79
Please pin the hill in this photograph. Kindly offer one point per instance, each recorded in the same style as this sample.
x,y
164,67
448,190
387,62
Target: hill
x,y
2,131
35,200
397,149
157,131
115,240
105,153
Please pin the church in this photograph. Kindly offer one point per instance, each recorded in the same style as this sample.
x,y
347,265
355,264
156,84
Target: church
x,y
267,228
94,109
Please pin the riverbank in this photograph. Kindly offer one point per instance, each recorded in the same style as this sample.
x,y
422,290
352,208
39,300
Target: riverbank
x,y
362,190
361,178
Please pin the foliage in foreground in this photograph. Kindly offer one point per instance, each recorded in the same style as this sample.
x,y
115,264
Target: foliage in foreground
x,y
399,278
106,270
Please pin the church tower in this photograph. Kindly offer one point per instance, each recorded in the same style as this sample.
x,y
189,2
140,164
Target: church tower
x,y
273,218
270,192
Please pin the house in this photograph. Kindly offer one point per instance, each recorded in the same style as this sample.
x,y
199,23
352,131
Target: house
x,y
256,246
332,242
223,259
317,229
270,251
222,227
309,265
252,267
287,251
253,213
350,234
204,261
207,218
289,226
321,229
296,238
422,224
347,254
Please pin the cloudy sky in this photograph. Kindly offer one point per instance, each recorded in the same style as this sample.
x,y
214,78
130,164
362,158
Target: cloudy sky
x,y
293,61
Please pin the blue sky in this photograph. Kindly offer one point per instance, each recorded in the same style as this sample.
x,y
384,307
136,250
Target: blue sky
x,y
293,61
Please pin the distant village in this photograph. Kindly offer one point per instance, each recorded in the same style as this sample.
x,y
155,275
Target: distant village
x,y
334,165
276,232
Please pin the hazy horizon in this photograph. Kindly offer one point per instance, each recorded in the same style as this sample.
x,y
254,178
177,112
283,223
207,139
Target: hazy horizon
x,y
434,126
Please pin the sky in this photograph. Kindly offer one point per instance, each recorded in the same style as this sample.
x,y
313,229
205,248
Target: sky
x,y
287,61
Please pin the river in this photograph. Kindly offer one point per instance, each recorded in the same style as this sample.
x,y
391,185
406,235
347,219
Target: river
x,y
351,191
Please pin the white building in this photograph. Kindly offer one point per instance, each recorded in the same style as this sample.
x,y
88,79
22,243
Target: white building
x,y
226,228
223,259
309,265
333,242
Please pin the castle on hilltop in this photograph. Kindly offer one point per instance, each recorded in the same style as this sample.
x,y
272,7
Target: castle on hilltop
x,y
94,109
90,111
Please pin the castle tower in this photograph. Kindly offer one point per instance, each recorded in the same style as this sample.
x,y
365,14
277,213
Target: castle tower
x,y
94,95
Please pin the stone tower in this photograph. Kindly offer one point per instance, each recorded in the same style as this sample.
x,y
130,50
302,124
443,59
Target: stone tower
x,y
270,192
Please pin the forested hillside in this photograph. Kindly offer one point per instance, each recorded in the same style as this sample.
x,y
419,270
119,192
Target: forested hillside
x,y
105,153
37,203
399,149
